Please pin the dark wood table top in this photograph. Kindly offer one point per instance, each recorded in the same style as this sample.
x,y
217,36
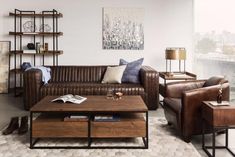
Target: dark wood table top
x,y
93,104
218,115
180,76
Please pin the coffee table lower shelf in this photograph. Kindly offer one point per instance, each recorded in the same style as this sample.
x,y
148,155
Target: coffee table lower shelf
x,y
47,125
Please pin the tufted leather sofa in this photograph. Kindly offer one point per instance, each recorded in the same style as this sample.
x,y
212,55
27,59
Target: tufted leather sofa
x,y
183,101
86,80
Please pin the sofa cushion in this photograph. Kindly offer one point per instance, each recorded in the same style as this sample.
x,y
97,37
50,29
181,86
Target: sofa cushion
x,y
89,89
215,80
114,74
131,73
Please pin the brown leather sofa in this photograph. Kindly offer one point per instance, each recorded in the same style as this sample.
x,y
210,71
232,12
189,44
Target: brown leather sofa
x,y
183,101
86,80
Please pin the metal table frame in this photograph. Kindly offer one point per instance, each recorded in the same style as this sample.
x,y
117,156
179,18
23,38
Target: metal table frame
x,y
213,147
89,138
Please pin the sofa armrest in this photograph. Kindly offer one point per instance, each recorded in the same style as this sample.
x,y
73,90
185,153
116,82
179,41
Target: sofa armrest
x,y
175,89
32,84
191,106
150,79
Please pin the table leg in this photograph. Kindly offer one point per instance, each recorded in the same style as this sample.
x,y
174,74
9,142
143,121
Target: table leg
x,y
89,131
147,131
226,138
31,138
213,143
203,134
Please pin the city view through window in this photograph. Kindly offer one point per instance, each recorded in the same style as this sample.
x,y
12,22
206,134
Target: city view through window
x,y
214,39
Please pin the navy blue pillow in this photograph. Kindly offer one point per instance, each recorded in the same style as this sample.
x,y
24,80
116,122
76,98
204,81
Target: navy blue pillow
x,y
131,73
25,65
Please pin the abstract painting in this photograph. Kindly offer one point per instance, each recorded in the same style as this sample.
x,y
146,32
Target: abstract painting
x,y
4,65
123,28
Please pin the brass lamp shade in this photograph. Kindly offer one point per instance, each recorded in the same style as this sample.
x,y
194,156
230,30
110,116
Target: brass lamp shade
x,y
175,53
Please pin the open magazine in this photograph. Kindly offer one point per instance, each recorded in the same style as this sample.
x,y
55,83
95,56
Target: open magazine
x,y
70,98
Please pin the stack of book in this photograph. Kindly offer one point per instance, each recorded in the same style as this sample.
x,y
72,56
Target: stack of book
x,y
73,118
107,118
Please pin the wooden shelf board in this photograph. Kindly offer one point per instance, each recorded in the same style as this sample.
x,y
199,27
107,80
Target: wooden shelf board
x,y
36,33
36,15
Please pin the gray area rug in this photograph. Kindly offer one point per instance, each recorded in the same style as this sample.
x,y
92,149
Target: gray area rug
x,y
162,143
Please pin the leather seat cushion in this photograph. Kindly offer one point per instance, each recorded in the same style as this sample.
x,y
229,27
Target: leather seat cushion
x,y
89,88
174,104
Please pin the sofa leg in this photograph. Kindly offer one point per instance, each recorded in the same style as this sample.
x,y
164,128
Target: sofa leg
x,y
187,138
169,123
223,131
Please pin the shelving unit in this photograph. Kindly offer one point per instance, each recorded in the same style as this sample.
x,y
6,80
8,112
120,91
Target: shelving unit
x,y
18,53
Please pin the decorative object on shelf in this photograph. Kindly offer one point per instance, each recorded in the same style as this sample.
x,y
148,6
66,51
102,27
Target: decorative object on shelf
x,y
44,28
4,66
219,96
37,47
29,26
25,65
175,53
31,46
46,47
41,48
123,28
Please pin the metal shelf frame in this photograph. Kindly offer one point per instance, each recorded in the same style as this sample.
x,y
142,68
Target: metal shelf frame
x,y
18,37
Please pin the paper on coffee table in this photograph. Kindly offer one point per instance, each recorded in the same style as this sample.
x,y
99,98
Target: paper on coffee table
x,y
76,99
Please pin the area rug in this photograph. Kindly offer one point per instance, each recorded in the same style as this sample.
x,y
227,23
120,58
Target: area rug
x,y
163,142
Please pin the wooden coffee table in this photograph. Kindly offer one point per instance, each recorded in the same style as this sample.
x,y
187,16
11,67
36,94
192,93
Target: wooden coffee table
x,y
219,118
50,123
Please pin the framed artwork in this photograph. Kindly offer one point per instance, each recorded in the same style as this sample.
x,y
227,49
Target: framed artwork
x,y
4,65
123,28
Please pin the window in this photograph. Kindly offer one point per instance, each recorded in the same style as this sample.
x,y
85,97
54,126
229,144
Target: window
x,y
214,25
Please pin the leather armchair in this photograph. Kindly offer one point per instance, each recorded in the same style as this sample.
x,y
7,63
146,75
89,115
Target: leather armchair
x,y
183,101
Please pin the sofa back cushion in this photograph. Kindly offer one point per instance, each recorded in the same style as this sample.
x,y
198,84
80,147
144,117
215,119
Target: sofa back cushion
x,y
77,73
215,80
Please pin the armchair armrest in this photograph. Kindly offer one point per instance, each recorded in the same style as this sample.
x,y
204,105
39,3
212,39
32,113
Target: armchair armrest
x,y
191,106
175,89
149,78
32,84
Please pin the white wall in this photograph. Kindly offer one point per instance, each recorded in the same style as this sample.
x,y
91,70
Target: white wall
x,y
167,23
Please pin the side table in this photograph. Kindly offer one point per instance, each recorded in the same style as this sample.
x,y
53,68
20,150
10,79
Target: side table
x,y
218,117
178,76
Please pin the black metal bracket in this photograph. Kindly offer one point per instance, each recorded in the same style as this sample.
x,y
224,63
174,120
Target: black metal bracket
x,y
213,147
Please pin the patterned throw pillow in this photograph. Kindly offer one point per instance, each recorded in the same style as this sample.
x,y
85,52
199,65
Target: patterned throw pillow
x,y
114,74
131,73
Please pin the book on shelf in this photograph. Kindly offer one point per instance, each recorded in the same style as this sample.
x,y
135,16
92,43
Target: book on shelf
x,y
73,118
29,51
107,118
76,99
29,33
223,103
